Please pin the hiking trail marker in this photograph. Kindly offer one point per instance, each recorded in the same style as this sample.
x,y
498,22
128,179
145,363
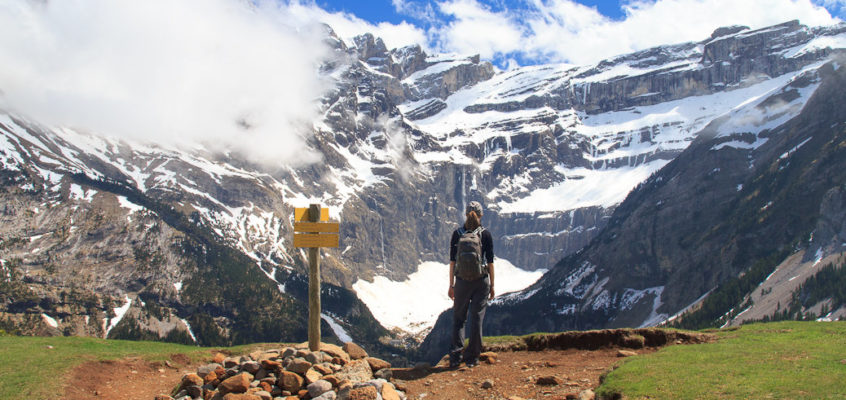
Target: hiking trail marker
x,y
313,230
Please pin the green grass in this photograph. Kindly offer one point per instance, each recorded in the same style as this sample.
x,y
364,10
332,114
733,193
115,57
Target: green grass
x,y
785,360
31,370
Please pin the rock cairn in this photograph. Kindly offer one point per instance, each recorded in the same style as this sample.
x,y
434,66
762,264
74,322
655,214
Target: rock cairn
x,y
291,373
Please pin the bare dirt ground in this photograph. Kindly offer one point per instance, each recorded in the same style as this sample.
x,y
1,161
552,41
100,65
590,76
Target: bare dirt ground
x,y
547,367
514,375
129,379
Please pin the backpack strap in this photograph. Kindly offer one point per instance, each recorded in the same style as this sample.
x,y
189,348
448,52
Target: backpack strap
x,y
461,230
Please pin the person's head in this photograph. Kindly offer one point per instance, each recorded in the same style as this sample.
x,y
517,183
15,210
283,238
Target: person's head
x,y
474,216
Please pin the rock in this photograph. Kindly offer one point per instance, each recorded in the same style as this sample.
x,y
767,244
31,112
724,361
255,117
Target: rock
x,y
206,369
587,394
330,395
230,362
626,353
312,375
263,395
191,380
377,364
240,396
315,357
250,366
356,371
334,380
288,352
290,381
194,391
219,358
163,397
330,349
515,398
355,351
551,380
323,369
488,357
236,384
487,384
364,393
271,365
384,373
210,377
299,365
318,388
389,393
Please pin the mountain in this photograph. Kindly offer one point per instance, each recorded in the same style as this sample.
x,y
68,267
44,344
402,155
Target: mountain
x,y
110,237
741,198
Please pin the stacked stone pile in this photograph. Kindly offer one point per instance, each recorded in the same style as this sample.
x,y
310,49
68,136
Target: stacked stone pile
x,y
291,373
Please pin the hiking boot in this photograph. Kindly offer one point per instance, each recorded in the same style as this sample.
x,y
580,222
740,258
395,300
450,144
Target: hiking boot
x,y
471,363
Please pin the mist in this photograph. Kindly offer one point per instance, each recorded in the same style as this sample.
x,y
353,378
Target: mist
x,y
232,75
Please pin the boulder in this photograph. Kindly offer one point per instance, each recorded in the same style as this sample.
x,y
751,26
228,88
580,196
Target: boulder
x,y
487,384
191,380
318,388
299,365
549,380
587,394
236,384
250,366
240,396
356,371
219,358
389,393
271,365
206,369
330,395
355,351
312,375
626,353
377,364
364,393
290,381
488,357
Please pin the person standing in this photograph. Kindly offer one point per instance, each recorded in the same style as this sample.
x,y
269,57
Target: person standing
x,y
471,284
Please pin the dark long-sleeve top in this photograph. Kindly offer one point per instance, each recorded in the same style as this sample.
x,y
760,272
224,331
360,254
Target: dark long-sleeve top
x,y
487,245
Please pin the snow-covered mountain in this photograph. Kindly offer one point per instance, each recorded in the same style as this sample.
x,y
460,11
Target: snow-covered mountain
x,y
406,139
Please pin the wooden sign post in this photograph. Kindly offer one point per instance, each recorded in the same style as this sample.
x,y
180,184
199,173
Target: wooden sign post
x,y
317,232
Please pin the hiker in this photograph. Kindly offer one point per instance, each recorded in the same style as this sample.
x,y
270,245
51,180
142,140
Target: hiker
x,y
471,284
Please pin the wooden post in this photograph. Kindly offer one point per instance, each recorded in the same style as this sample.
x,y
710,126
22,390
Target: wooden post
x,y
314,286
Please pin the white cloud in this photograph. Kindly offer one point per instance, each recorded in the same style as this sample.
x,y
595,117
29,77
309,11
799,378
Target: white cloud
x,y
566,31
478,30
235,75
347,26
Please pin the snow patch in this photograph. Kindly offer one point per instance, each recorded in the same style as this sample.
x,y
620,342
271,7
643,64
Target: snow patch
x,y
49,320
339,331
188,327
125,203
391,301
119,313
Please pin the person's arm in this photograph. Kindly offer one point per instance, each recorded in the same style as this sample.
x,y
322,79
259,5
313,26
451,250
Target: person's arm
x,y
491,274
451,292
487,248
453,242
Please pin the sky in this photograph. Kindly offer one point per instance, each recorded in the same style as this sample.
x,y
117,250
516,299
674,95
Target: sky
x,y
242,75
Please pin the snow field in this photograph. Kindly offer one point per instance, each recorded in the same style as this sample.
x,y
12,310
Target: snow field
x,y
413,305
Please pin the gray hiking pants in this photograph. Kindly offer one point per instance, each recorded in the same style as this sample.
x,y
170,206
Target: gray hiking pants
x,y
472,296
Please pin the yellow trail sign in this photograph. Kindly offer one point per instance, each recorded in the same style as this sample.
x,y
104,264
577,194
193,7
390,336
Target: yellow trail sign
x,y
316,240
322,227
301,214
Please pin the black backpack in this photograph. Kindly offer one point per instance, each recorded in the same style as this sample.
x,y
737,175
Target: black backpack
x,y
469,261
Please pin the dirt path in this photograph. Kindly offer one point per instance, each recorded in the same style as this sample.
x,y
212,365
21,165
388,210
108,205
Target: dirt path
x,y
128,379
514,375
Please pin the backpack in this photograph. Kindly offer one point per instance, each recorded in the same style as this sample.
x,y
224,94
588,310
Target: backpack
x,y
469,262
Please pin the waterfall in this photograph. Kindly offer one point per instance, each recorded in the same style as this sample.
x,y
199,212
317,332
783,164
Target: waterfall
x,y
382,240
463,190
